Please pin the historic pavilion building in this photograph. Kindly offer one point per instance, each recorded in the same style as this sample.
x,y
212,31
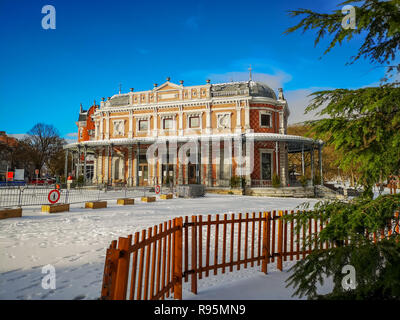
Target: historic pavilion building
x,y
224,130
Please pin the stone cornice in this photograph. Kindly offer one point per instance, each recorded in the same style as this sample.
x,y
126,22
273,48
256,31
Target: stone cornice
x,y
177,104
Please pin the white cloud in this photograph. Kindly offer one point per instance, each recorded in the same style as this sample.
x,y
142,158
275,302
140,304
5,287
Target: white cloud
x,y
298,100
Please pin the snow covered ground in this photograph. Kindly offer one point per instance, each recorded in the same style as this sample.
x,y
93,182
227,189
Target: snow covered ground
x,y
75,244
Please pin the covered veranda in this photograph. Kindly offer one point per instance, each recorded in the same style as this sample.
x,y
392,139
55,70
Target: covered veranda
x,y
211,160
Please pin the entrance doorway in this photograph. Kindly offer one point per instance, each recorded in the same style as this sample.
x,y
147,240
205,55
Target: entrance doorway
x,y
266,166
192,174
143,170
167,174
143,174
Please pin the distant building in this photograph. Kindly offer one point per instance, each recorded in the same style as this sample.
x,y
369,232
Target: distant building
x,y
220,119
7,143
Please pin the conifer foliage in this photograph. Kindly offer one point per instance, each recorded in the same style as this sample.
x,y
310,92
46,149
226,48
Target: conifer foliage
x,y
362,233
364,127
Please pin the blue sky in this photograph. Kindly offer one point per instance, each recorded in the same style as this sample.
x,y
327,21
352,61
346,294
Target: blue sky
x,y
46,74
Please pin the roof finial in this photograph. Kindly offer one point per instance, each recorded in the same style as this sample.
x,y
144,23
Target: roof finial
x,y
81,108
120,85
280,95
250,77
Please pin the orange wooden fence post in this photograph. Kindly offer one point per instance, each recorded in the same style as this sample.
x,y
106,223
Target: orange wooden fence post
x,y
253,226
141,263
304,240
285,237
259,246
232,242
121,278
273,236
194,255
134,269
246,246
178,222
224,242
266,242
186,249
291,236
280,240
208,244
153,263
147,269
200,243
170,258
239,240
163,279
216,244
158,283
111,261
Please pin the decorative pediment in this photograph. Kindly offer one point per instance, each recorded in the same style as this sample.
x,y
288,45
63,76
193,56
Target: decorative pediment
x,y
167,86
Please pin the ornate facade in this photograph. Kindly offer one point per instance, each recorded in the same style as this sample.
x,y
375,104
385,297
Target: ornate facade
x,y
205,134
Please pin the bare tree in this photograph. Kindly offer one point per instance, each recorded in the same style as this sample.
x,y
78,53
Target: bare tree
x,y
45,144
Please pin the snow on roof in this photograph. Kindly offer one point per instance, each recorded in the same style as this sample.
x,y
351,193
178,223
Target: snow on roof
x,y
255,136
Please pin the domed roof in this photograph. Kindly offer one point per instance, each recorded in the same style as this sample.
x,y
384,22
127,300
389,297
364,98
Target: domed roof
x,y
252,88
259,89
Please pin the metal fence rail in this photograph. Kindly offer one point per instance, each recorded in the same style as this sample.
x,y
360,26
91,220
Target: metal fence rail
x,y
19,196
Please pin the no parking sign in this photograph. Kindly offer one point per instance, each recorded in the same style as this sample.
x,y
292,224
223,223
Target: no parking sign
x,y
54,196
158,189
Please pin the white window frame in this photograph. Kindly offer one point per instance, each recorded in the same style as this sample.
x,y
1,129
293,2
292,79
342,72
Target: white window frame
x,y
140,118
194,114
271,152
192,117
164,120
168,116
262,112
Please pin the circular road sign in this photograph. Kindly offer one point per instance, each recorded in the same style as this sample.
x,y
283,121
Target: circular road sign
x,y
54,196
158,189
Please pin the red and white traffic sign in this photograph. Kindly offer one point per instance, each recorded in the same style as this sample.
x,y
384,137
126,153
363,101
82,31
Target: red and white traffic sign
x,y
157,189
54,196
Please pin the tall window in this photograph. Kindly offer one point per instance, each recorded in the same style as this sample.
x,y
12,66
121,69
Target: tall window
x,y
194,122
167,124
265,120
266,166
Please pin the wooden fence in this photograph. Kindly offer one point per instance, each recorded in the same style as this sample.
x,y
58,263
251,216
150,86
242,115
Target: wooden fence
x,y
156,263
